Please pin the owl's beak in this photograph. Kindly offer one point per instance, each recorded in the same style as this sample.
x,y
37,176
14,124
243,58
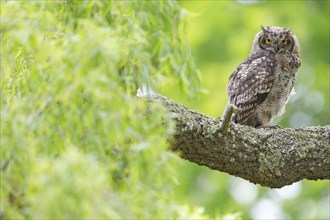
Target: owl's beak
x,y
276,48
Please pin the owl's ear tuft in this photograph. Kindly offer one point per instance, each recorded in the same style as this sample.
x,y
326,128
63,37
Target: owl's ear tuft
x,y
287,30
263,28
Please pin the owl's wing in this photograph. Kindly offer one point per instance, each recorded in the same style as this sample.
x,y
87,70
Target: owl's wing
x,y
250,84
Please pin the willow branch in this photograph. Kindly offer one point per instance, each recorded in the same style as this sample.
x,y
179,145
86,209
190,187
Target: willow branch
x,y
269,157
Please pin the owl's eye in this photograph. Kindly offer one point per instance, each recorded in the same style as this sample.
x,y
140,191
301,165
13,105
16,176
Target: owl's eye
x,y
267,41
284,42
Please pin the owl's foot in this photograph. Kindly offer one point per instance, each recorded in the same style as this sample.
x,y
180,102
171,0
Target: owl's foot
x,y
270,126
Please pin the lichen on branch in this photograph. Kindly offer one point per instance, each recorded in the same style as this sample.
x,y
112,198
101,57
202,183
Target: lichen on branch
x,y
267,156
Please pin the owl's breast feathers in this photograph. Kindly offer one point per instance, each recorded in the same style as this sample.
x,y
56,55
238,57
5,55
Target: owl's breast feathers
x,y
289,61
250,84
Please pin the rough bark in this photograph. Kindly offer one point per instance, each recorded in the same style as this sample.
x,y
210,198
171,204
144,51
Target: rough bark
x,y
267,156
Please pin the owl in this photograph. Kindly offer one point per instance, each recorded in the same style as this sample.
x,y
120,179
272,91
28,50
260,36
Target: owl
x,y
262,83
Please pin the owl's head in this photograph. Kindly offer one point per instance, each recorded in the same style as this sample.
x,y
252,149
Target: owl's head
x,y
276,40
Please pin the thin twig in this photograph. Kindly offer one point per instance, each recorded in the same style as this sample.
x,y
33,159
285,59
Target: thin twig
x,y
230,109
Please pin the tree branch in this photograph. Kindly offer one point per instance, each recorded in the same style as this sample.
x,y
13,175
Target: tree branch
x,y
269,157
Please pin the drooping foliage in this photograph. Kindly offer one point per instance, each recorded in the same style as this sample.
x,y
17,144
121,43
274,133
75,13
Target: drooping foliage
x,y
76,142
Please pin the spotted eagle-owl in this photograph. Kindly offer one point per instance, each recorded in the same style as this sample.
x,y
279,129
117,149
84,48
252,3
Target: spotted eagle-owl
x,y
262,84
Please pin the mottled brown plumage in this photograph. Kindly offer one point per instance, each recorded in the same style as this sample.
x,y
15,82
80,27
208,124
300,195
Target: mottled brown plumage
x,y
261,84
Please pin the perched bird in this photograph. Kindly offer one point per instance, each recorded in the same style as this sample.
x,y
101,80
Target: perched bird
x,y
262,83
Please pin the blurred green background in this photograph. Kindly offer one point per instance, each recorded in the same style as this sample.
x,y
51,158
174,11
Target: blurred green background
x,y
220,34
76,143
